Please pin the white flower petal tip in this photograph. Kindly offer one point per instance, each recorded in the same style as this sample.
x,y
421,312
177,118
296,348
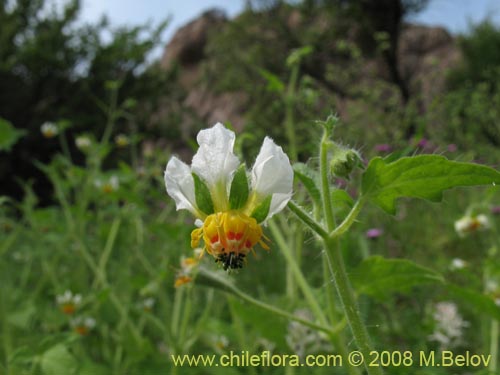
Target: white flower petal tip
x,y
180,185
215,161
272,174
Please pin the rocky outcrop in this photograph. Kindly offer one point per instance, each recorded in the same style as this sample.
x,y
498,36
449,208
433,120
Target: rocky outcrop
x,y
186,50
424,55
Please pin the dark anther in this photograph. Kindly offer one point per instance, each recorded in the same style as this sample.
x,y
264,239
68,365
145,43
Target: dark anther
x,y
231,260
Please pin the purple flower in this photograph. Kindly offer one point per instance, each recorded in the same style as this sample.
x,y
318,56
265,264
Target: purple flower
x,y
374,233
495,210
423,143
383,147
452,147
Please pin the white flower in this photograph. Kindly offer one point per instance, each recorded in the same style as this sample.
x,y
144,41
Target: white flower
x,y
148,304
457,264
302,339
469,224
108,186
230,230
83,325
272,175
68,301
49,129
449,325
83,142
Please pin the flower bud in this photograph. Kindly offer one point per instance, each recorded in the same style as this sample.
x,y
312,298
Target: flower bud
x,y
344,161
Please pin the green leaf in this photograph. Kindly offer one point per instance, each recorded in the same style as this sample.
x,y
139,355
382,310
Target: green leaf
x,y
274,83
378,277
58,360
341,198
8,135
478,301
308,177
202,196
262,210
238,195
424,176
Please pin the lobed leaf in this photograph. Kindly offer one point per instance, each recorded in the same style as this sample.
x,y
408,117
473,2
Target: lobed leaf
x,y
424,176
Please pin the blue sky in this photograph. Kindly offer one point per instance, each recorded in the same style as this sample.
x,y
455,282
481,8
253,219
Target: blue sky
x,y
455,15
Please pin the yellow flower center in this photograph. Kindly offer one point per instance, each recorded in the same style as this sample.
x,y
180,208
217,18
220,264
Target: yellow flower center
x,y
229,236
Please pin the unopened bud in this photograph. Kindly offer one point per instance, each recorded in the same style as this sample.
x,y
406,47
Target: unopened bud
x,y
344,161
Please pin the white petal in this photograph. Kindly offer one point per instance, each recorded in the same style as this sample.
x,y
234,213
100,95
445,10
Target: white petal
x,y
272,174
215,162
180,185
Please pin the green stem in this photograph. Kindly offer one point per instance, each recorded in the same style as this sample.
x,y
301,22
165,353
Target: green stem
x,y
207,278
64,146
299,276
349,303
108,248
289,118
325,184
307,219
494,345
349,220
336,262
112,115
179,294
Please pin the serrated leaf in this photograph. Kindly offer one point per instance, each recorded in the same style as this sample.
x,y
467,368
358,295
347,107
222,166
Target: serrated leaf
x,y
308,177
378,277
262,210
424,176
8,135
478,301
58,360
202,196
238,194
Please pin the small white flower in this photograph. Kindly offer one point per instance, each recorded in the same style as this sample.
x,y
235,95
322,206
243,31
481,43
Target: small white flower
x,y
83,325
457,264
470,224
108,186
148,304
49,129
229,232
83,142
449,325
68,302
302,339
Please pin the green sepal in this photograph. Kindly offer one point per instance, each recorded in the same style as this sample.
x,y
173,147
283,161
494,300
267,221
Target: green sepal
x,y
309,179
238,194
262,210
202,196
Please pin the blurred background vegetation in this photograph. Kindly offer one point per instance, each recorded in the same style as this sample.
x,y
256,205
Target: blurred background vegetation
x,y
399,89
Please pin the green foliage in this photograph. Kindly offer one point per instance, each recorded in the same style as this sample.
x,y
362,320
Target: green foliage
x,y
425,176
54,68
8,135
378,277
